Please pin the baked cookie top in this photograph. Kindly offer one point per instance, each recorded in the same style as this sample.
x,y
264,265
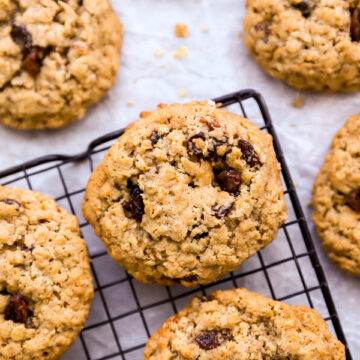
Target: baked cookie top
x,y
56,59
186,195
310,44
45,282
238,324
336,198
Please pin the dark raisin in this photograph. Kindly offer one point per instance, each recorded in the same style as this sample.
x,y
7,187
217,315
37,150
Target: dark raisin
x,y
29,323
17,309
32,62
201,236
229,180
135,206
265,28
212,339
221,211
305,7
249,154
11,202
202,298
191,147
353,200
206,298
23,247
355,24
22,38
154,137
217,143
190,278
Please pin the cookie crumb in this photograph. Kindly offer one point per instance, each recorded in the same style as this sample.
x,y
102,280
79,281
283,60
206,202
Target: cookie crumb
x,y
293,125
295,184
159,53
181,30
129,103
240,33
205,29
298,102
180,53
182,93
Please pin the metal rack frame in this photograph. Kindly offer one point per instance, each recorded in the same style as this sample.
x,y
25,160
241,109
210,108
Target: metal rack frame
x,y
45,164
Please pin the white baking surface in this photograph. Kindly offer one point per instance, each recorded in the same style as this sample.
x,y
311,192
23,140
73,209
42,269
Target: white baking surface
x,y
217,64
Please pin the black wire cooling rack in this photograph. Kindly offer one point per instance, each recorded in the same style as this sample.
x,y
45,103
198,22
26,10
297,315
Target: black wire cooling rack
x,y
124,312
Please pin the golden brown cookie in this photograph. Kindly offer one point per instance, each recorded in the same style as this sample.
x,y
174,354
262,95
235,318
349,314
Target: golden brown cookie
x,y
56,59
238,324
310,44
186,195
336,198
45,282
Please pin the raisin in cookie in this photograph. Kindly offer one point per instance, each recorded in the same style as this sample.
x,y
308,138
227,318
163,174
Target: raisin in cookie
x,y
186,195
310,44
45,282
238,324
56,59
336,198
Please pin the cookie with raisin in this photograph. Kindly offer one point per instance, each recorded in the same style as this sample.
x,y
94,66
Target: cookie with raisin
x,y
186,195
57,58
310,44
238,324
45,282
336,198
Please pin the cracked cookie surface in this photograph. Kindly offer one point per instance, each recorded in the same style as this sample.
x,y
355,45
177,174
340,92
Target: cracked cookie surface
x,y
238,324
336,198
45,282
186,195
310,44
57,58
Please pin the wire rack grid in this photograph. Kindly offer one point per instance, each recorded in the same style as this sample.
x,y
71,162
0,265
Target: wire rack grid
x,y
124,312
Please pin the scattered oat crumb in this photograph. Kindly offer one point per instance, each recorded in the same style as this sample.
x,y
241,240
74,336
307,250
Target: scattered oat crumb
x,y
182,93
169,68
295,184
292,124
197,1
240,33
181,30
135,81
163,66
205,29
129,103
298,102
180,53
159,53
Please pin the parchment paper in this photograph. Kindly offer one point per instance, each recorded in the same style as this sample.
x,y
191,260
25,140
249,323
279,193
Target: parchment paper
x,y
217,63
